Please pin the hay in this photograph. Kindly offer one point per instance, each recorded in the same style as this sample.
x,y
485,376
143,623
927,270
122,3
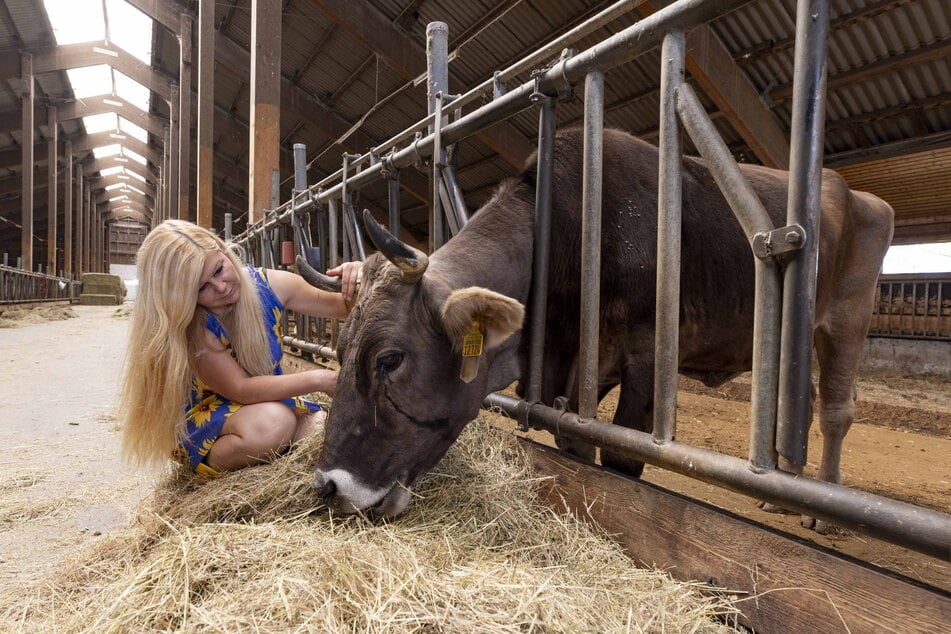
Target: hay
x,y
25,317
252,552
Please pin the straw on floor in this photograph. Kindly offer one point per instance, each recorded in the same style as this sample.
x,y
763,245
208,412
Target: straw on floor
x,y
252,551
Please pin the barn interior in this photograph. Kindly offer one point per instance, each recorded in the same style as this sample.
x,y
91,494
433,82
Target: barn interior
x,y
352,76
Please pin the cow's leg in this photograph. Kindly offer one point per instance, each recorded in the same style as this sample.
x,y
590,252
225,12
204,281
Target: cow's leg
x,y
635,409
839,353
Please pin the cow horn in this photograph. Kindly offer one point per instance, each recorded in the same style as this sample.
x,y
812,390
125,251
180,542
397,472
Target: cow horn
x,y
315,278
412,262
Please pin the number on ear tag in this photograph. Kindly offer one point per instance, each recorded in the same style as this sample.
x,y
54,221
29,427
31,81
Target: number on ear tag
x,y
472,342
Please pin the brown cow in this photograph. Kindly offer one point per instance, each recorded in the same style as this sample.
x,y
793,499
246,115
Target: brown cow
x,y
405,393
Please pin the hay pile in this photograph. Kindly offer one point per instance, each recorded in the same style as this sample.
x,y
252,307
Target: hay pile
x,y
27,316
250,552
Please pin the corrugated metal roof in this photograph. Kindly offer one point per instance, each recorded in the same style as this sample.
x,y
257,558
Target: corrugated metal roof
x,y
888,61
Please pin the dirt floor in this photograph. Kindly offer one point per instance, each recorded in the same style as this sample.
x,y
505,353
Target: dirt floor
x,y
62,484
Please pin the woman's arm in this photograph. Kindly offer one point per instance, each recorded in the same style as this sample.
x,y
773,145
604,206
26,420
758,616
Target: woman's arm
x,y
299,296
218,369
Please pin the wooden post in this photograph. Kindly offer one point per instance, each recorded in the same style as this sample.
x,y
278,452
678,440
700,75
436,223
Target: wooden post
x,y
265,103
174,197
51,207
185,117
68,212
26,175
206,112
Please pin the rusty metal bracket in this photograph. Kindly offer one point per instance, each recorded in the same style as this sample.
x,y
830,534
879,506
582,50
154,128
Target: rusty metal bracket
x,y
770,244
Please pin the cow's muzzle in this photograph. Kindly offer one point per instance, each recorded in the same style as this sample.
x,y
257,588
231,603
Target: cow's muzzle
x,y
344,493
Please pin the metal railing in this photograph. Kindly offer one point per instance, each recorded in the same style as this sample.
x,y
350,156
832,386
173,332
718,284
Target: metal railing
x,y
913,306
24,287
784,329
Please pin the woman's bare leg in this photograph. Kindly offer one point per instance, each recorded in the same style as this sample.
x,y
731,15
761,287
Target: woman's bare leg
x,y
252,435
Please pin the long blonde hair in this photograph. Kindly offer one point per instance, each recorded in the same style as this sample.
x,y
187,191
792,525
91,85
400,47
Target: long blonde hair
x,y
167,335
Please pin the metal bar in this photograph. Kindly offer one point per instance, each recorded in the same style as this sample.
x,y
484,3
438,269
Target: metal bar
x,y
437,223
542,250
767,325
805,197
669,203
455,192
591,244
394,202
313,348
921,529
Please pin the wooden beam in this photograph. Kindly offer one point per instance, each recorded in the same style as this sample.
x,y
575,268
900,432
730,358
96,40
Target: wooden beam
x,y
91,106
68,211
266,18
786,584
408,60
714,69
69,56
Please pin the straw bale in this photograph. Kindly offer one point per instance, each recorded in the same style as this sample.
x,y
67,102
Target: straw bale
x,y
253,551
27,316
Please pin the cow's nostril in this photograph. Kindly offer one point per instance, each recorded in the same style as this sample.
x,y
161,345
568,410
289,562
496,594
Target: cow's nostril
x,y
325,487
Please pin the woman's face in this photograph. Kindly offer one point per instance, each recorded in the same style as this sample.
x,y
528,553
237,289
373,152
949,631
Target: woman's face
x,y
218,288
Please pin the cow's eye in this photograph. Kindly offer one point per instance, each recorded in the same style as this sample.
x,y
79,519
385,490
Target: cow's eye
x,y
387,363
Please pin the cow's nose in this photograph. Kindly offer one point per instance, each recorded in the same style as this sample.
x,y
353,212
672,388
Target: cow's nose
x,y
325,486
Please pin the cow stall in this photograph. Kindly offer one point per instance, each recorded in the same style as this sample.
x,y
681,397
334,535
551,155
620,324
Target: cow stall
x,y
656,526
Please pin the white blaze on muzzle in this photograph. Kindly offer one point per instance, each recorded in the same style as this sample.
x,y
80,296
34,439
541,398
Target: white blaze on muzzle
x,y
351,496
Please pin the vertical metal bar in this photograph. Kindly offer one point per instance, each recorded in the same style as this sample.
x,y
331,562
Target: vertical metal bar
x,y
438,220
591,244
228,226
753,219
437,75
394,202
334,233
539,306
669,202
805,192
458,200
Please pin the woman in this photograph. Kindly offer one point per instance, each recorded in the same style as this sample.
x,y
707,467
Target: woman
x,y
206,334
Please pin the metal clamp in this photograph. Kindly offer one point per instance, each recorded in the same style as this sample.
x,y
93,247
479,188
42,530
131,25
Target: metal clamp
x,y
770,244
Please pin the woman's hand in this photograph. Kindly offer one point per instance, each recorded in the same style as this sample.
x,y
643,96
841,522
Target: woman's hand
x,y
324,381
350,274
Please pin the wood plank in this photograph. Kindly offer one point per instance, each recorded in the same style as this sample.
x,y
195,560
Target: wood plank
x,y
785,583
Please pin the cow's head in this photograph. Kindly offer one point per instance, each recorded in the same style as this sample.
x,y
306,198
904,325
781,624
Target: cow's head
x,y
417,355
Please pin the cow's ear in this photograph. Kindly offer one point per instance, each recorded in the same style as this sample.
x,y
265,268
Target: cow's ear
x,y
499,316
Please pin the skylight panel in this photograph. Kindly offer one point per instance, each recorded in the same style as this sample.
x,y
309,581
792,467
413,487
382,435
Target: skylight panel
x,y
91,81
130,29
75,21
109,171
100,122
133,155
133,130
132,91
106,150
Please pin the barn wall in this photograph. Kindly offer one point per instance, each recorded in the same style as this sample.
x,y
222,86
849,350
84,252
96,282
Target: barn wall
x,y
910,356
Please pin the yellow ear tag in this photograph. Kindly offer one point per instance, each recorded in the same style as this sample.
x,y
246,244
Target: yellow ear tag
x,y
472,342
471,351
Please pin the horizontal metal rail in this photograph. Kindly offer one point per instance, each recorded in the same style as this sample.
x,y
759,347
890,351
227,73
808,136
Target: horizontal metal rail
x,y
18,286
913,307
914,527
624,46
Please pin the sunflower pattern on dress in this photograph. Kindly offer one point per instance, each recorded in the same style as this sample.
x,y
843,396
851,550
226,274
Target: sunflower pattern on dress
x,y
206,411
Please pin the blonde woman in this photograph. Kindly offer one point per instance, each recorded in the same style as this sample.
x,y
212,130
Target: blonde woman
x,y
203,382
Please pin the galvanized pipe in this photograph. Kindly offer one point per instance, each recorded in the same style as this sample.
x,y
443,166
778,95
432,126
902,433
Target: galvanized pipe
x,y
591,244
458,200
805,197
921,529
307,346
669,204
753,218
394,202
542,247
624,46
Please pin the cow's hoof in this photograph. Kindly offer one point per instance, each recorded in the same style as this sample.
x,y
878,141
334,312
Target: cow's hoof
x,y
769,507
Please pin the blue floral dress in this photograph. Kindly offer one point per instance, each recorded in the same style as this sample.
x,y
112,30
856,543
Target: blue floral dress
x,y
206,411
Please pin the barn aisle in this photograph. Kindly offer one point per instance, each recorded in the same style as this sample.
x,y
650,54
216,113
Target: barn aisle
x,y
62,485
